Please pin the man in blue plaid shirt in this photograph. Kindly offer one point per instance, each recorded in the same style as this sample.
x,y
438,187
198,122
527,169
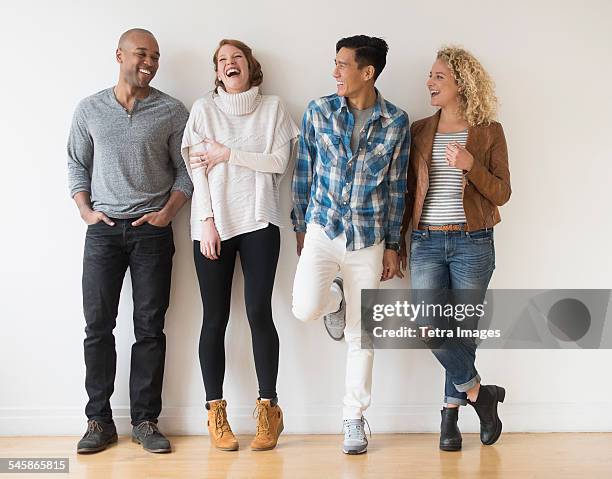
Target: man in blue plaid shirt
x,y
348,191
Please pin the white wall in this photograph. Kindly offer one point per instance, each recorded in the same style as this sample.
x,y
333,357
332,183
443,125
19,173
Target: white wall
x,y
551,62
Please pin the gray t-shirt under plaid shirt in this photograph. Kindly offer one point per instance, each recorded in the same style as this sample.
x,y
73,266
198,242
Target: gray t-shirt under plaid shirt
x,y
360,119
128,162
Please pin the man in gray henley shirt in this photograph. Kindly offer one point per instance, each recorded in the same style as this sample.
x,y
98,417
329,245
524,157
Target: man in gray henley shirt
x,y
128,180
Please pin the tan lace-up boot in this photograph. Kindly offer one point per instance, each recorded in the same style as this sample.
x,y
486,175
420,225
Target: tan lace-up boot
x,y
269,418
220,432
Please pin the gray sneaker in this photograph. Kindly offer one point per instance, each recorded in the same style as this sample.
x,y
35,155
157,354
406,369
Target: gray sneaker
x,y
336,322
355,440
152,440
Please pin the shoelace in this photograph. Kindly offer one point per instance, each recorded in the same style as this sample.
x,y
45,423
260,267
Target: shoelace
x,y
93,426
260,413
147,428
221,423
356,429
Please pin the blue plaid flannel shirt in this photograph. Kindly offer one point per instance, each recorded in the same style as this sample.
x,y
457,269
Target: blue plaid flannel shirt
x,y
359,193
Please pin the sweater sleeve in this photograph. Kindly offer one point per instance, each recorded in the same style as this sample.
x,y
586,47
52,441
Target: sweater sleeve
x,y
80,154
192,143
275,162
182,182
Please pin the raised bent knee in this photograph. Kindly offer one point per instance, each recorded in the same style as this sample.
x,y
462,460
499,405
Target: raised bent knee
x,y
305,312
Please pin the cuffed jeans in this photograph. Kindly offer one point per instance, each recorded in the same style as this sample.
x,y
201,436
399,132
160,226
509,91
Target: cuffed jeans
x,y
452,260
321,260
109,250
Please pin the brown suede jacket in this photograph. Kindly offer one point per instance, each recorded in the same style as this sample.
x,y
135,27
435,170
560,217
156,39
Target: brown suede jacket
x,y
486,185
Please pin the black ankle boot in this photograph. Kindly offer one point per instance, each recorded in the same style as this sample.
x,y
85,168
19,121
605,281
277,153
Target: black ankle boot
x,y
450,435
486,408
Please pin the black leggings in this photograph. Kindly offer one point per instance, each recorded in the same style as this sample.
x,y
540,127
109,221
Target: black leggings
x,y
258,257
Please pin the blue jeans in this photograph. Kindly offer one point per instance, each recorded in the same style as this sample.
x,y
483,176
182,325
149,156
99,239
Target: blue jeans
x,y
453,260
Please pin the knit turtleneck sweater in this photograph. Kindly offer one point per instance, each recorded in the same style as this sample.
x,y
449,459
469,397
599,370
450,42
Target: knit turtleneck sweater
x,y
242,195
238,104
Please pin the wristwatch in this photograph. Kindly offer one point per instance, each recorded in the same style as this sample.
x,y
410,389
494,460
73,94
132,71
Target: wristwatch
x,y
394,246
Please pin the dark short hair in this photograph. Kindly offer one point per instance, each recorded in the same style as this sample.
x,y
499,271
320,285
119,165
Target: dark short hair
x,y
255,73
368,51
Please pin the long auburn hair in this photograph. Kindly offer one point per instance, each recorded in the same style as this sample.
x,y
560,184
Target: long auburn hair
x,y
255,73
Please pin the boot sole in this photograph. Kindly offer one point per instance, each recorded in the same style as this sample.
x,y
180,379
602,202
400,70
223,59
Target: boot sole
x,y
450,448
91,450
334,337
227,448
331,335
501,395
280,429
154,451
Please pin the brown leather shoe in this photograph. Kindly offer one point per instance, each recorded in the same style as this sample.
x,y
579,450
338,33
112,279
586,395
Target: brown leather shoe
x,y
269,418
219,430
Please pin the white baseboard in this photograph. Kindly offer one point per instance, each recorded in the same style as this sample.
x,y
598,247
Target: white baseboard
x,y
534,417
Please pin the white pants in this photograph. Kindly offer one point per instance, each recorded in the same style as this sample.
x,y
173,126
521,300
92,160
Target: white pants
x,y
313,297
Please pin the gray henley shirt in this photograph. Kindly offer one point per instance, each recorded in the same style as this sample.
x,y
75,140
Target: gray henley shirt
x,y
129,163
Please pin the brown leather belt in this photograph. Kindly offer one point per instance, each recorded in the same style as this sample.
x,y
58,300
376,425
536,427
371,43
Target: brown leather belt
x,y
454,227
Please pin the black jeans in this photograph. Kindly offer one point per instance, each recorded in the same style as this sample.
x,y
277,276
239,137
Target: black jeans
x,y
258,257
109,250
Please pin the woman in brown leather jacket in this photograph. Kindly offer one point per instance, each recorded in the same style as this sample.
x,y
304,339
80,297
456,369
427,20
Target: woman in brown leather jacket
x,y
458,176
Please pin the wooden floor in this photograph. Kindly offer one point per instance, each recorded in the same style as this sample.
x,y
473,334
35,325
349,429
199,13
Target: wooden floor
x,y
559,455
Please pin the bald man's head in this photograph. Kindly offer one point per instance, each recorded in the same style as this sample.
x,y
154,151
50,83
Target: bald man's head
x,y
125,36
138,57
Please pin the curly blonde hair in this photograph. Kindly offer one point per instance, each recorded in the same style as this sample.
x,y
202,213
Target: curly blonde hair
x,y
477,100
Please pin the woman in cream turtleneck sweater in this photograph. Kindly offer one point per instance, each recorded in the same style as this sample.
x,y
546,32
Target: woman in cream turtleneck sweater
x,y
236,146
